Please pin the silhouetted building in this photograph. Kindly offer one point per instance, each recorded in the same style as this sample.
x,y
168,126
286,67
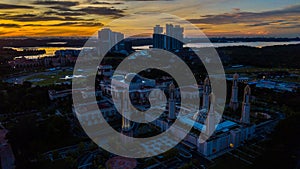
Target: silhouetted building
x,y
174,37
171,40
109,41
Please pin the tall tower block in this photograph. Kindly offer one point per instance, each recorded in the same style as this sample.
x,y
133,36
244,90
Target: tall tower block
x,y
206,93
158,37
234,104
245,117
172,115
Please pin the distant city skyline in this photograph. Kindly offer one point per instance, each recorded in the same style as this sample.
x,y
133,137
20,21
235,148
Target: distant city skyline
x,y
229,18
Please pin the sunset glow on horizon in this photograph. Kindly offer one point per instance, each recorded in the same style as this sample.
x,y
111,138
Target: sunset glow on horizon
x,y
46,18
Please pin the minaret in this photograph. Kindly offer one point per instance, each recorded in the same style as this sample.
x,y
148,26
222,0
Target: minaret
x,y
246,106
211,120
172,115
234,93
206,93
126,127
124,109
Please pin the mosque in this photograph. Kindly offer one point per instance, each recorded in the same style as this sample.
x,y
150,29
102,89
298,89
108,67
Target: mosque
x,y
216,139
219,137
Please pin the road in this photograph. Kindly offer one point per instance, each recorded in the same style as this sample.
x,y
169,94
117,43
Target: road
x,y
87,160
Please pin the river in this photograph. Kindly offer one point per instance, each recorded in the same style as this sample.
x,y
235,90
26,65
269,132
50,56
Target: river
x,y
50,51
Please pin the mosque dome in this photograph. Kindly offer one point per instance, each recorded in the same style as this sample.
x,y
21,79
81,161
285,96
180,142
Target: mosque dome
x,y
132,77
235,76
200,115
172,86
206,81
118,77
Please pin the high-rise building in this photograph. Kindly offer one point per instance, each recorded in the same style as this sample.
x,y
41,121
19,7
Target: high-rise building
x,y
206,93
158,37
169,33
234,93
109,40
174,37
158,29
172,107
245,118
117,37
177,37
171,40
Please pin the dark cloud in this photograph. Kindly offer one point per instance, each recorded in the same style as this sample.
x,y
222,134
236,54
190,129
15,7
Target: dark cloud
x,y
85,24
60,8
62,3
102,11
50,12
106,3
66,13
63,24
146,0
10,25
260,24
10,6
33,18
71,13
70,18
236,9
295,26
4,33
268,23
91,24
33,25
247,17
105,11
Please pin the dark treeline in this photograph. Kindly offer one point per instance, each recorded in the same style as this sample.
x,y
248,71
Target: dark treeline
x,y
282,151
24,98
49,42
240,39
286,56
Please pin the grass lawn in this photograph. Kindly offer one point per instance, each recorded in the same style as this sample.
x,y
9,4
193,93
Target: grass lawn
x,y
49,78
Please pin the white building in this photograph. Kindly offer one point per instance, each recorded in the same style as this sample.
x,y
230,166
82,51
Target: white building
x,y
89,116
109,40
171,40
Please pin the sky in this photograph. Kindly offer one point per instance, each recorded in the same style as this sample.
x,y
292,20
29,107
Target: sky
x,y
229,18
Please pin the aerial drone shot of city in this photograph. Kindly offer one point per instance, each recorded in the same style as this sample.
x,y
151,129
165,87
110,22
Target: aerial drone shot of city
x,y
149,84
